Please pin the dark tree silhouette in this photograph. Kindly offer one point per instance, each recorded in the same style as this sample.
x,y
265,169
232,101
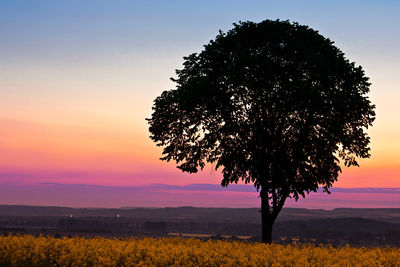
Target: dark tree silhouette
x,y
273,103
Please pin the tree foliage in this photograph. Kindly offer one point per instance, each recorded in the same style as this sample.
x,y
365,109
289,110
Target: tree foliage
x,y
273,103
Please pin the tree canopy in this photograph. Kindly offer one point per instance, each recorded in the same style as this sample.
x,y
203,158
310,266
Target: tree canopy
x,y
273,103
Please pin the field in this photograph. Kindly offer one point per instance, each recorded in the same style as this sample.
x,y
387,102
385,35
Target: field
x,y
48,251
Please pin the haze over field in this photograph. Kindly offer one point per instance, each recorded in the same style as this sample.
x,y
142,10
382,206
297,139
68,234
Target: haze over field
x,y
77,81
196,195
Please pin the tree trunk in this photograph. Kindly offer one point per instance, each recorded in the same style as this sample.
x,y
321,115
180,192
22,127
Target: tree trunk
x,y
267,219
267,230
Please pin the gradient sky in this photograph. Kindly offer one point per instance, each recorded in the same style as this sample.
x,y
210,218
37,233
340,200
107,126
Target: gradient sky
x,y
77,80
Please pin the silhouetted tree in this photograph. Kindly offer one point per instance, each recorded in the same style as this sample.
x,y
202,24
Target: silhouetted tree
x,y
272,103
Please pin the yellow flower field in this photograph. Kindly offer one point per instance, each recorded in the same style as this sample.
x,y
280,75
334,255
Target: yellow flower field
x,y
47,251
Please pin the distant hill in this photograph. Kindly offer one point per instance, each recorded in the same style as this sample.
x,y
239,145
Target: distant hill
x,y
233,215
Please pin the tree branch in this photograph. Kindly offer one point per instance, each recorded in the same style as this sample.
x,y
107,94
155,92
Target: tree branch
x,y
281,202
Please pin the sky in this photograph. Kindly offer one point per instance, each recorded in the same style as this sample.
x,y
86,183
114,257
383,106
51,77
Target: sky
x,y
78,79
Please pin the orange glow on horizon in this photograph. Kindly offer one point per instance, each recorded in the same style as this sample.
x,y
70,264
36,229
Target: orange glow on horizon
x,y
122,148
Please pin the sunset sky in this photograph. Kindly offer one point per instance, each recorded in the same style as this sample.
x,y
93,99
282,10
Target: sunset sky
x,y
78,78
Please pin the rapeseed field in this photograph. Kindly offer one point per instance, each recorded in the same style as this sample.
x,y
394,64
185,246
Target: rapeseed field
x,y
28,250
